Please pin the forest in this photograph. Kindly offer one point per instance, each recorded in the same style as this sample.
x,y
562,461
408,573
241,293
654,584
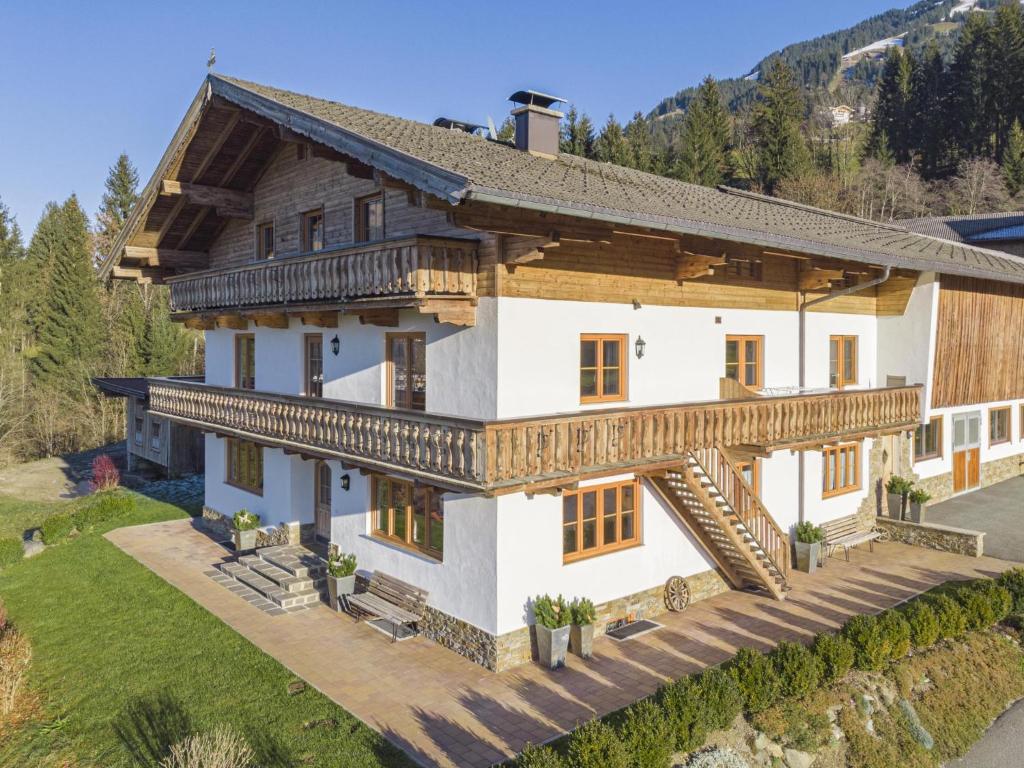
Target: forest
x,y
60,326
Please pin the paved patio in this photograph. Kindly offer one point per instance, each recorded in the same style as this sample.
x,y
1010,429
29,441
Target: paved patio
x,y
998,510
446,711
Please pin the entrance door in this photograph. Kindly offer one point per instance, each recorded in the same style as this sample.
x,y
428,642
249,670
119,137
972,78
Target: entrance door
x,y
966,451
322,495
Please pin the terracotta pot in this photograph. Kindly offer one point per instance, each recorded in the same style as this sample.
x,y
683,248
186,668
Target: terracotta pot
x,y
581,640
552,646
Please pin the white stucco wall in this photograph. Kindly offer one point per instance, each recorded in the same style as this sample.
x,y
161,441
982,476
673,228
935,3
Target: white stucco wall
x,y
907,343
944,463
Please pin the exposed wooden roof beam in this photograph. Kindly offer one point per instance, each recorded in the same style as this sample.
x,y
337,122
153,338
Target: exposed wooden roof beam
x,y
353,167
215,148
193,227
817,278
231,172
169,221
139,274
228,202
166,257
692,265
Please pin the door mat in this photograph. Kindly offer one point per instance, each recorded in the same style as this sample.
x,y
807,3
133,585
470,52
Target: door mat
x,y
387,627
629,631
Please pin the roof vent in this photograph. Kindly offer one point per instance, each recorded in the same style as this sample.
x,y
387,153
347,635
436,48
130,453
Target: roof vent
x,y
460,125
537,125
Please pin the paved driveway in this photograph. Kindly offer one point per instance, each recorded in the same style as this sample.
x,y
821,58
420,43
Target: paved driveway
x,y
998,510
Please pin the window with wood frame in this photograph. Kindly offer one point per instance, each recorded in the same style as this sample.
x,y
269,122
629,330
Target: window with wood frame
x,y
245,361
407,370
928,440
313,230
369,218
842,361
841,469
154,435
744,360
603,367
599,519
265,240
999,425
408,514
140,429
244,465
313,345
750,471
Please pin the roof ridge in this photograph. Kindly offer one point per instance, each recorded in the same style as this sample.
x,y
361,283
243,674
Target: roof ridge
x,y
809,208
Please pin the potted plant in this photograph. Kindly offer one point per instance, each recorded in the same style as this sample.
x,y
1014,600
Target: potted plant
x,y
581,634
551,623
918,500
341,577
897,490
245,524
808,546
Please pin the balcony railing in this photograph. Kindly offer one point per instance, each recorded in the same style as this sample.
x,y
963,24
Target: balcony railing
x,y
496,456
415,267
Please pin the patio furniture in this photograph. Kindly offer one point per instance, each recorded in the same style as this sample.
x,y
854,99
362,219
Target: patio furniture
x,y
846,532
391,599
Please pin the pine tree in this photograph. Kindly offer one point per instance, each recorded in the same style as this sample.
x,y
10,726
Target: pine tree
x,y
778,115
11,246
577,134
928,113
703,150
164,345
1004,77
121,194
610,146
968,74
638,143
507,131
1013,160
68,321
894,109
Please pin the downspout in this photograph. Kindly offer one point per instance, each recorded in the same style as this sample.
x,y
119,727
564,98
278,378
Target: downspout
x,y
804,305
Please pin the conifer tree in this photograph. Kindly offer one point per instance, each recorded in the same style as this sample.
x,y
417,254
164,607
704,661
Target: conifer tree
x,y
928,111
1013,160
703,150
781,152
969,105
68,320
11,246
610,146
638,143
121,194
577,134
894,108
163,344
1005,72
507,130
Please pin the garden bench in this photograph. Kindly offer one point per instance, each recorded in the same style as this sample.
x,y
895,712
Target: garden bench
x,y
392,599
846,532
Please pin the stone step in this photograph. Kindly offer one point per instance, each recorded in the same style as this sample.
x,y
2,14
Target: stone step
x,y
281,577
308,591
297,561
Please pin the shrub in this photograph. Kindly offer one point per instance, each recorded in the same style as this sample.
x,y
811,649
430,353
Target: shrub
x,y
755,675
1013,581
950,616
798,669
244,520
340,565
836,655
15,656
685,712
924,624
551,612
983,603
721,697
896,632
919,496
534,756
899,485
57,527
596,745
220,748
582,611
999,598
870,648
809,533
11,550
105,475
647,736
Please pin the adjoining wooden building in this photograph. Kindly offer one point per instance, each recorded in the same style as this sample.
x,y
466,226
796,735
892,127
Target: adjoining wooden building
x,y
151,438
998,231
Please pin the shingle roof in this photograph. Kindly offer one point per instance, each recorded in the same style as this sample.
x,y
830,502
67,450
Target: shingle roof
x,y
458,166
973,228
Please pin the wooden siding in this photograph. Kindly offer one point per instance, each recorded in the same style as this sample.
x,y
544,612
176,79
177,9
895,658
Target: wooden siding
x,y
182,447
979,342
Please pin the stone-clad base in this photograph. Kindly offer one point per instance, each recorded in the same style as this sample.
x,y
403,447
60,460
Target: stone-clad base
x,y
941,486
941,537
285,533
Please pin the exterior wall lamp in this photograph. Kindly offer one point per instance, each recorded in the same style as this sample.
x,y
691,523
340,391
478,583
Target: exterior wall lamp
x,y
346,481
335,345
640,346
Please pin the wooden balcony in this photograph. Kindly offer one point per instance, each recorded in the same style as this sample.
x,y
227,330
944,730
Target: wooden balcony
x,y
414,271
549,451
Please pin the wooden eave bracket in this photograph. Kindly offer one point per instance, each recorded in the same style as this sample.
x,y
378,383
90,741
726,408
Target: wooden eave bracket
x,y
229,203
269,319
166,257
693,265
817,278
328,319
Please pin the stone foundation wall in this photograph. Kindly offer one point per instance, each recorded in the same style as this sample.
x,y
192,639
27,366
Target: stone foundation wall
x,y
221,524
941,486
941,537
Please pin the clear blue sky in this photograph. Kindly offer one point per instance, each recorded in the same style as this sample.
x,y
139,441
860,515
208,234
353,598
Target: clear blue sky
x,y
83,81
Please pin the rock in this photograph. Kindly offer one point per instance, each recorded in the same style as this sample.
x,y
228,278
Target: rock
x,y
866,704
296,687
32,547
869,726
833,713
797,759
917,730
36,534
837,733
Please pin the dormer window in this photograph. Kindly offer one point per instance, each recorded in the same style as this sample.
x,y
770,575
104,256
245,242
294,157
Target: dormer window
x,y
313,230
370,218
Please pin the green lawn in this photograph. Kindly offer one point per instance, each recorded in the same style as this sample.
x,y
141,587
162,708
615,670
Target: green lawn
x,y
17,515
116,647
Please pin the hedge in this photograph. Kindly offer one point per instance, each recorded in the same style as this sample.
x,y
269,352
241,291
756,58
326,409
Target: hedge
x,y
680,715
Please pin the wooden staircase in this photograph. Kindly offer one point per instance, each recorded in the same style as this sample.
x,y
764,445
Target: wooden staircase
x,y
726,516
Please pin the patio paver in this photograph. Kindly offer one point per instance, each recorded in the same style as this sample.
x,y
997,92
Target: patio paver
x,y
446,711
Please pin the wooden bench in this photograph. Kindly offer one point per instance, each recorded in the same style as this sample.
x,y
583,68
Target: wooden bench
x,y
846,532
392,599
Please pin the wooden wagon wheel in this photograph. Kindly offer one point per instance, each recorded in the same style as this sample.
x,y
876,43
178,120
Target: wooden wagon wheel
x,y
677,593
